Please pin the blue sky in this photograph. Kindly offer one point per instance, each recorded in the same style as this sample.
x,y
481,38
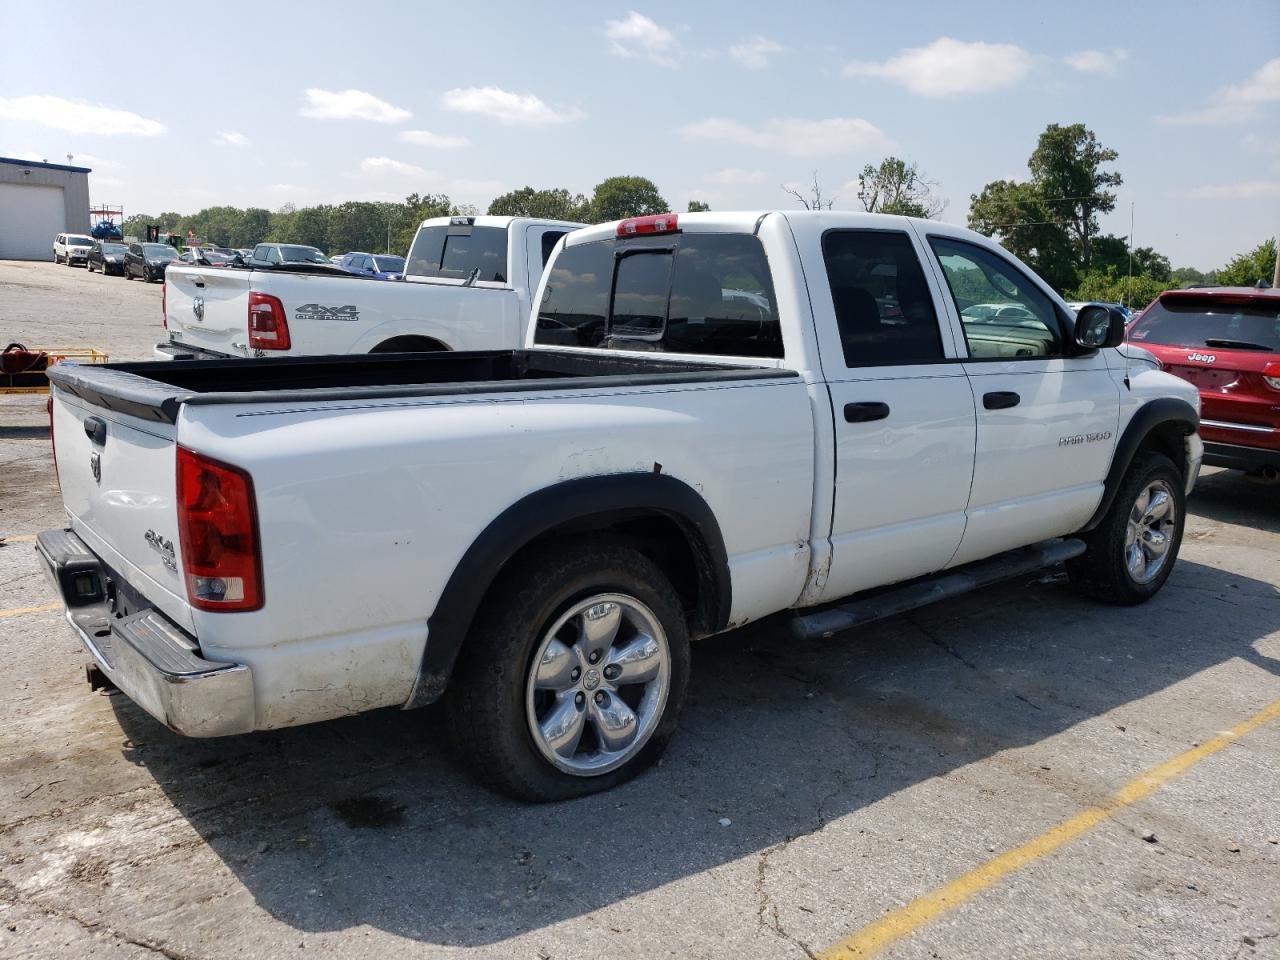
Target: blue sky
x,y
719,101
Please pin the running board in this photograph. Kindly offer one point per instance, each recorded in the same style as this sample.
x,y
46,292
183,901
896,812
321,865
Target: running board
x,y
827,622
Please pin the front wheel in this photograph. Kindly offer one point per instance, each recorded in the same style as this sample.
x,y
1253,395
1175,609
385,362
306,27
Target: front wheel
x,y
573,675
1132,551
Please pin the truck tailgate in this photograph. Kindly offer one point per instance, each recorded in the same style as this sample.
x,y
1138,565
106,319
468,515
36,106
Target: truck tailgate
x,y
208,308
118,478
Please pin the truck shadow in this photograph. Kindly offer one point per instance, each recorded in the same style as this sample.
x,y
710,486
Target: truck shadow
x,y
1228,496
372,820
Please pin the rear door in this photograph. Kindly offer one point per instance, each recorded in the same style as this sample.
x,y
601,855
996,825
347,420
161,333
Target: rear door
x,y
118,479
1047,421
902,407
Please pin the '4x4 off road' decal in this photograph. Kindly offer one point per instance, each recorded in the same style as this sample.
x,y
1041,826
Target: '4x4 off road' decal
x,y
318,311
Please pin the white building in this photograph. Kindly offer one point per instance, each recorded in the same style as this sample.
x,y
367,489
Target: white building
x,y
37,201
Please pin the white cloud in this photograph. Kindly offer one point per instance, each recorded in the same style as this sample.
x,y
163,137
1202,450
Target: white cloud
x,y
107,181
32,156
754,53
801,138
283,188
230,138
949,67
638,36
733,176
474,188
1097,61
350,105
437,141
1245,190
383,165
507,107
86,118
1234,104
97,163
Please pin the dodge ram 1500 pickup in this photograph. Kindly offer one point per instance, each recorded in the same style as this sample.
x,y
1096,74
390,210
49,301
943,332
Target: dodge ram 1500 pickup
x,y
716,417
468,286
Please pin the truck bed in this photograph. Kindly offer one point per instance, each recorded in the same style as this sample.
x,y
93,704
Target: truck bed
x,y
155,391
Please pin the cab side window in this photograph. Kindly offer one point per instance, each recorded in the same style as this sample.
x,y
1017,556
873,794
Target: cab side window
x,y
1004,314
882,302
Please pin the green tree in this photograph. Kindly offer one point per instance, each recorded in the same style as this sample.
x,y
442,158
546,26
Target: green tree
x,y
1188,276
898,187
1111,252
1111,286
252,227
1247,269
617,197
412,212
553,204
1016,214
1066,165
697,206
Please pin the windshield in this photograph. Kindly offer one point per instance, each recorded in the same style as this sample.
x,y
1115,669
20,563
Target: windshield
x,y
113,248
214,256
159,251
74,241
1252,324
291,253
389,264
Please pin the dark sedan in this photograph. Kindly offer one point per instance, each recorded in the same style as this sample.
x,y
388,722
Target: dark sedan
x,y
107,257
148,260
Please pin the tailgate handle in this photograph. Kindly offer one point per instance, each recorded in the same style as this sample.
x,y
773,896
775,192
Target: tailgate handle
x,y
198,281
95,428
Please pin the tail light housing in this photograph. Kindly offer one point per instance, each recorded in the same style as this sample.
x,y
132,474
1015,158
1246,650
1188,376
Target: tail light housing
x,y
218,530
52,444
268,327
1271,374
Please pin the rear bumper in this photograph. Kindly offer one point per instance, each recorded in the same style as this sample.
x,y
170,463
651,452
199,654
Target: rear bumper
x,y
1238,457
156,664
169,350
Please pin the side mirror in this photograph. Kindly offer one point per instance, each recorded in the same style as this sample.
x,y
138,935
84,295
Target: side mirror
x,y
1099,325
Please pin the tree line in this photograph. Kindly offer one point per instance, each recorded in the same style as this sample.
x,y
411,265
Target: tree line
x,y
1049,220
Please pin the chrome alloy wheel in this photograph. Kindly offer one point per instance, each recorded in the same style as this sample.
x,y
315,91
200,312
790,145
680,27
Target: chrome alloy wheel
x,y
1149,534
598,684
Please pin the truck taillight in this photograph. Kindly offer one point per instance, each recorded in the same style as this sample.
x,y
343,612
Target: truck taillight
x,y
644,226
268,328
164,303
1271,374
52,444
218,530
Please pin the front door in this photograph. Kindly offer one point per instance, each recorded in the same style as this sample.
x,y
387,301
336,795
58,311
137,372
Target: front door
x,y
903,412
1047,421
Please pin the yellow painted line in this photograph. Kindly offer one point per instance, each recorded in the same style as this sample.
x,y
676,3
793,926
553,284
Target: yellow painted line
x,y
20,538
904,921
19,611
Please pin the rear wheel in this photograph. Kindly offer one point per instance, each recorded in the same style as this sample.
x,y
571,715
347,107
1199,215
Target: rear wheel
x,y
573,675
1132,551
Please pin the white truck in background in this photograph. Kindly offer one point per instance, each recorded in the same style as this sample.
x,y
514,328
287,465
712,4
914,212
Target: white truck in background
x,y
468,286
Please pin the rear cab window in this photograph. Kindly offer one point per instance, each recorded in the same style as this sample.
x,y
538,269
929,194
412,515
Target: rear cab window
x,y
1235,323
457,250
699,293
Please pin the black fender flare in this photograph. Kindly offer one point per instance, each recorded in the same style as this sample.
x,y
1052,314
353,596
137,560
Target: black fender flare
x,y
571,504
1146,418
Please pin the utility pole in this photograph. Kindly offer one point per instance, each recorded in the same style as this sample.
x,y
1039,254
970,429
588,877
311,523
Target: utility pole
x,y
1275,276
1128,288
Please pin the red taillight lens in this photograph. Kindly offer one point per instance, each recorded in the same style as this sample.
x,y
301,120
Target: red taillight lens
x,y
164,303
52,444
218,529
640,226
268,328
1271,374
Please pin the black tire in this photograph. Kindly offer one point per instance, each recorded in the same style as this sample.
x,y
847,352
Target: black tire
x,y
1101,571
127,273
146,274
485,702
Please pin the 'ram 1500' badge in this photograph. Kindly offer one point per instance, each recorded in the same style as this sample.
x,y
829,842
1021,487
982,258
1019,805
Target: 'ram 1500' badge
x,y
1083,438
163,547
318,311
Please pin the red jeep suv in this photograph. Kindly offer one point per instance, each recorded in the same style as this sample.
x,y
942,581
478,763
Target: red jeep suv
x,y
1226,341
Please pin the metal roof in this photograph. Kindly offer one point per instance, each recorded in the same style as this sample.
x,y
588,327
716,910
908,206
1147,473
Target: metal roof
x,y
44,166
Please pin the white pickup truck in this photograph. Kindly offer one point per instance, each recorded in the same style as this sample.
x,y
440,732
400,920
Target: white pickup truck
x,y
468,285
717,417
